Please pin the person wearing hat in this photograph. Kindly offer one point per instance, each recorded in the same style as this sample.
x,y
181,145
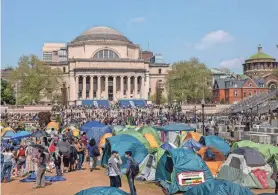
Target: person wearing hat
x,y
114,169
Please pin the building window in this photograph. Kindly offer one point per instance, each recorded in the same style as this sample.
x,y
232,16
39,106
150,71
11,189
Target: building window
x,y
244,94
250,84
250,93
64,69
255,92
95,94
235,93
105,54
159,71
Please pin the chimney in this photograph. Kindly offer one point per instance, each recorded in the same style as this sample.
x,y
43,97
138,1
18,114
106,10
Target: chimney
x,y
260,48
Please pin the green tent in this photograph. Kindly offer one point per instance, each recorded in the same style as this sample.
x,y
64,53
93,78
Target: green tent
x,y
151,131
138,136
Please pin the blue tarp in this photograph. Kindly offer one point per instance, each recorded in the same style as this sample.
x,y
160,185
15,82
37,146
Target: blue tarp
x,y
132,103
21,134
218,187
216,142
96,103
102,190
166,146
176,127
95,129
191,143
121,144
32,178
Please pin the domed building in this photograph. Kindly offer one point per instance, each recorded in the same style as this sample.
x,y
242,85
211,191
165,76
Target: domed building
x,y
104,64
261,65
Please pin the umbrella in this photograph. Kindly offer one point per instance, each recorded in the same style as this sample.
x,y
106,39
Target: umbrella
x,y
39,134
64,147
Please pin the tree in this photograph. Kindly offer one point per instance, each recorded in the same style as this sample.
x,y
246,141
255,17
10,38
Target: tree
x,y
35,79
222,101
189,81
162,98
7,93
44,118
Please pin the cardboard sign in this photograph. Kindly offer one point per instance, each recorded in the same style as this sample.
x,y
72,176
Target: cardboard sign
x,y
191,178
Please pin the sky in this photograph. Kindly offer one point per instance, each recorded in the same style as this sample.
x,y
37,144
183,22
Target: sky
x,y
221,33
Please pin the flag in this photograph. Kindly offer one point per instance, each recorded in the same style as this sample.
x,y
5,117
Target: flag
x,y
51,147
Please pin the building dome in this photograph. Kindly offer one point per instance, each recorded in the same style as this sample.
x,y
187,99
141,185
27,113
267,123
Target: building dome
x,y
260,55
100,33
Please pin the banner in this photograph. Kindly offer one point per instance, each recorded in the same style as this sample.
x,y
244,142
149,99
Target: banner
x,y
191,178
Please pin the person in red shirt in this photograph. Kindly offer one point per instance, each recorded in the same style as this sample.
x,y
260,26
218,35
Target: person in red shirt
x,y
21,159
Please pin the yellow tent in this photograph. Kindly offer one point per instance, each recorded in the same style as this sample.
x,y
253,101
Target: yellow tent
x,y
151,140
53,125
193,135
102,141
3,131
75,132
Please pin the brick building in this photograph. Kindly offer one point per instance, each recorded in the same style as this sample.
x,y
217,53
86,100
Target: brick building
x,y
232,90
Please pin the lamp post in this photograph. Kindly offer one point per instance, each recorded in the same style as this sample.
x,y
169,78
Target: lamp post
x,y
203,115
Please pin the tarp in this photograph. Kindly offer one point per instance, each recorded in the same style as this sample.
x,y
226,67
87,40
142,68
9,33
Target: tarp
x,y
176,127
216,142
132,103
121,144
191,143
252,156
180,169
95,129
96,103
53,125
167,146
32,178
21,134
102,190
218,187
138,136
152,131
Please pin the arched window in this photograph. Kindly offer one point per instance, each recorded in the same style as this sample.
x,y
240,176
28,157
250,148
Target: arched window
x,y
105,54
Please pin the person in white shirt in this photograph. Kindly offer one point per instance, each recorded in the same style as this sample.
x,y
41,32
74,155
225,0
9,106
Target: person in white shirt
x,y
114,169
7,166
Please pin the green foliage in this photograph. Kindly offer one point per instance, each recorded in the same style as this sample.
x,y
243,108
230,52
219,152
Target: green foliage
x,y
44,118
35,79
189,81
222,101
7,92
162,100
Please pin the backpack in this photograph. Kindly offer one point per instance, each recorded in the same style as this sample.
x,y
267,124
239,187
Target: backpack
x,y
96,151
134,168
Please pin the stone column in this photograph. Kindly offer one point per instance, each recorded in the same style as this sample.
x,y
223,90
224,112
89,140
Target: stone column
x,y
114,87
128,87
135,93
106,87
76,88
72,94
91,95
147,86
84,88
98,87
122,87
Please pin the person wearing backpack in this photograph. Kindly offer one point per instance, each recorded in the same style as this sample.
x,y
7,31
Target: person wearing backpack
x,y
131,171
93,153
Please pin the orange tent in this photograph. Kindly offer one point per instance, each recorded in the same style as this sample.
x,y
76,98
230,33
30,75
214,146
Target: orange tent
x,y
53,125
213,164
150,138
193,135
102,141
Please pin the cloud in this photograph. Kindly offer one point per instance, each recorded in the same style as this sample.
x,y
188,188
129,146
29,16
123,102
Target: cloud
x,y
234,64
136,20
214,38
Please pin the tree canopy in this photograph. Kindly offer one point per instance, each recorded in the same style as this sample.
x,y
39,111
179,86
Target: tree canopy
x,y
35,79
188,81
7,93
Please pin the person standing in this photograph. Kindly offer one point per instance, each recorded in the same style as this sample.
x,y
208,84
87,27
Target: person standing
x,y
7,164
131,171
274,176
93,153
41,168
80,152
114,170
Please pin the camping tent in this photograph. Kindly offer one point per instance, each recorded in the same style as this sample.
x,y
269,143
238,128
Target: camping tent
x,y
213,158
21,134
123,143
152,131
193,135
235,169
95,129
252,156
176,127
167,146
179,169
102,190
148,166
53,125
102,141
152,141
191,143
7,132
218,187
216,142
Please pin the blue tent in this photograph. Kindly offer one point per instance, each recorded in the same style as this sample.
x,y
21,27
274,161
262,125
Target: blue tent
x,y
216,142
180,169
218,187
8,134
21,134
102,190
95,129
166,146
176,127
191,143
123,143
